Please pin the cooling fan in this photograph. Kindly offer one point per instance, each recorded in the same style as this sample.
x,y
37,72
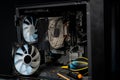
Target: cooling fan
x,y
27,60
29,29
56,32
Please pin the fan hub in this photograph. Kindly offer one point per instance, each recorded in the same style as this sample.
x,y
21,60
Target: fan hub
x,y
27,59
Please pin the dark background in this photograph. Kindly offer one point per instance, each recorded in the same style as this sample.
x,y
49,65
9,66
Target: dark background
x,y
7,33
112,37
105,43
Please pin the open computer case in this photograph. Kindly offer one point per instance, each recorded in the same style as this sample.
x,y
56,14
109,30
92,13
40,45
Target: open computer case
x,y
52,41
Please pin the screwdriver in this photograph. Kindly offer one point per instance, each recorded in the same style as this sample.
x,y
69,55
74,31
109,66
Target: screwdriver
x,y
62,76
75,75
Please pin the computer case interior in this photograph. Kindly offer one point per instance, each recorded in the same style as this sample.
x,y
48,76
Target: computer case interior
x,y
52,41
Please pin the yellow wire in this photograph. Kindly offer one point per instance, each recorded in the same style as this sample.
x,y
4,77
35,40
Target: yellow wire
x,y
84,58
81,62
79,69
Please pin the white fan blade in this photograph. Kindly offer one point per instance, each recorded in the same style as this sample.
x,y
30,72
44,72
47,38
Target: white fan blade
x,y
25,26
27,20
20,51
17,59
33,49
26,47
18,65
32,38
35,64
36,56
25,73
22,68
29,69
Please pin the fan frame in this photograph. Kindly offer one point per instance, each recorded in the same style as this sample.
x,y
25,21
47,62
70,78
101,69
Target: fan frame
x,y
23,38
16,72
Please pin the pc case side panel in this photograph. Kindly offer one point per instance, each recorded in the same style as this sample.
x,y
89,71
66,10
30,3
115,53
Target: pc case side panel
x,y
8,36
89,42
97,39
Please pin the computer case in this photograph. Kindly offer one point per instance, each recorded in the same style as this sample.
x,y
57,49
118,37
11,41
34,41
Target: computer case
x,y
58,32
94,28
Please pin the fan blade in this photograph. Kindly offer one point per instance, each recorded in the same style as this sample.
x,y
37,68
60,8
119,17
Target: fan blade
x,y
19,54
36,56
26,48
18,65
29,34
20,51
25,73
35,64
22,68
17,59
32,38
28,69
27,21
32,51
25,26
